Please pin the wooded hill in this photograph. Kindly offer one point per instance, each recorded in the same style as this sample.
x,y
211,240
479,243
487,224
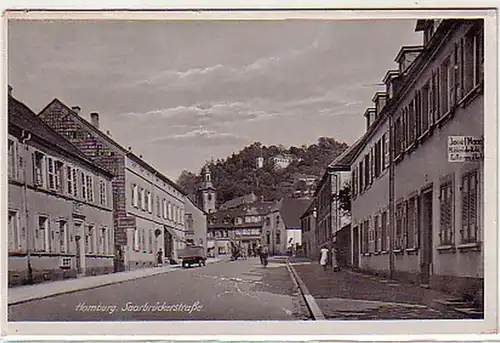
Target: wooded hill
x,y
238,175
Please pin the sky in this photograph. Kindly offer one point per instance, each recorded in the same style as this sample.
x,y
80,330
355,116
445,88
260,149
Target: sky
x,y
180,93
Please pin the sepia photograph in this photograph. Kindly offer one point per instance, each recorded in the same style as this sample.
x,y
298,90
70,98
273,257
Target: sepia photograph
x,y
246,170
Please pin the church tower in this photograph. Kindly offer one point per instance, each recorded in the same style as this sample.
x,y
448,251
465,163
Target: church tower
x,y
206,193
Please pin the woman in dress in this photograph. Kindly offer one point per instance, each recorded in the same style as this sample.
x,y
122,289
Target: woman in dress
x,y
324,257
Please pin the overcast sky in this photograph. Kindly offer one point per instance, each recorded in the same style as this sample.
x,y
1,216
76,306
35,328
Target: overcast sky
x,y
180,93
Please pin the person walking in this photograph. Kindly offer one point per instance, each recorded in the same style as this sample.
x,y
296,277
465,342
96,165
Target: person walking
x,y
324,257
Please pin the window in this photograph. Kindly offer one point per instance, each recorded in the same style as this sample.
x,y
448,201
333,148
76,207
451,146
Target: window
x,y
361,176
387,150
354,181
372,165
150,241
446,213
473,59
366,236
143,199
277,220
59,175
102,241
135,195
377,228
42,238
136,239
383,232
38,163
142,241
398,238
63,237
158,206
445,82
469,194
367,171
411,223
424,100
278,237
103,192
412,123
12,159
268,221
14,241
377,158
89,240
90,187
434,97
164,215
169,214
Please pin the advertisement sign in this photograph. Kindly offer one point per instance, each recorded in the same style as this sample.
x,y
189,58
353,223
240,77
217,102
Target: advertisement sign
x,y
465,148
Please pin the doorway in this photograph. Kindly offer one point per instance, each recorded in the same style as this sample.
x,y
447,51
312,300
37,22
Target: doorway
x,y
426,237
168,245
79,249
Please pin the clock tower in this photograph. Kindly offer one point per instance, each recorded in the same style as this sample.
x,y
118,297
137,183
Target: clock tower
x,y
206,192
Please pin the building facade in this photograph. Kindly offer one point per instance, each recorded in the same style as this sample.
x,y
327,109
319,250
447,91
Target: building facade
x,y
196,225
60,213
308,226
236,227
416,208
282,228
141,226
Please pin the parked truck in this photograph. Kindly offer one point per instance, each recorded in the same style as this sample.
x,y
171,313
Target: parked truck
x,y
192,254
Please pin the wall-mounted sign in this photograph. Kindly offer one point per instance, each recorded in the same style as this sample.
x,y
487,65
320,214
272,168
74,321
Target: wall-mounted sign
x,y
465,148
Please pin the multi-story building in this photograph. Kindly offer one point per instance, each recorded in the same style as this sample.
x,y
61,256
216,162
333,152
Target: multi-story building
x,y
60,213
236,227
330,216
308,226
418,173
148,206
282,161
196,225
281,228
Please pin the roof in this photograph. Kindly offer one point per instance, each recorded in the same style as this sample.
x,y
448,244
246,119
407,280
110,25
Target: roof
x,y
106,137
255,209
247,198
407,48
24,118
390,75
291,209
346,157
309,209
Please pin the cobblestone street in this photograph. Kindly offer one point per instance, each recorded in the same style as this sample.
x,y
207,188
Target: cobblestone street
x,y
348,295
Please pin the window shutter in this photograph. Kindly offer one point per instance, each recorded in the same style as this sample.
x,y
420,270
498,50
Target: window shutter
x,y
387,150
465,207
473,208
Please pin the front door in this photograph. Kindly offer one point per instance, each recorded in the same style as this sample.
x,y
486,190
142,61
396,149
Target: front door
x,y
426,236
79,266
355,250
168,244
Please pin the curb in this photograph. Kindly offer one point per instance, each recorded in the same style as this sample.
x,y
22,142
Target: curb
x,y
41,297
18,302
313,307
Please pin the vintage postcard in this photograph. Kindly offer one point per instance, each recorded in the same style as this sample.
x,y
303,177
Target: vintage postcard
x,y
250,173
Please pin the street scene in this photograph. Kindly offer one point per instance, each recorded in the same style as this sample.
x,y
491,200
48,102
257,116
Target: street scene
x,y
231,170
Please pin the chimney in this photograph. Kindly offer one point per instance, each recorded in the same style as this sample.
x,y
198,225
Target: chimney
x,y
10,90
76,109
94,119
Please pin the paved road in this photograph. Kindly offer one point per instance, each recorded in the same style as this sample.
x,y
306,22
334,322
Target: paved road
x,y
241,290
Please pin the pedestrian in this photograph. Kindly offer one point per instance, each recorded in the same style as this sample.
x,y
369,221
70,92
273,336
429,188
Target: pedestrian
x,y
324,257
159,257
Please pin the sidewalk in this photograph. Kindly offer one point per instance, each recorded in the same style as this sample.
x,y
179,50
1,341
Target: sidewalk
x,y
354,296
21,294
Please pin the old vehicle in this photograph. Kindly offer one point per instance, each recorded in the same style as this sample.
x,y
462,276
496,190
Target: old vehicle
x,y
192,254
